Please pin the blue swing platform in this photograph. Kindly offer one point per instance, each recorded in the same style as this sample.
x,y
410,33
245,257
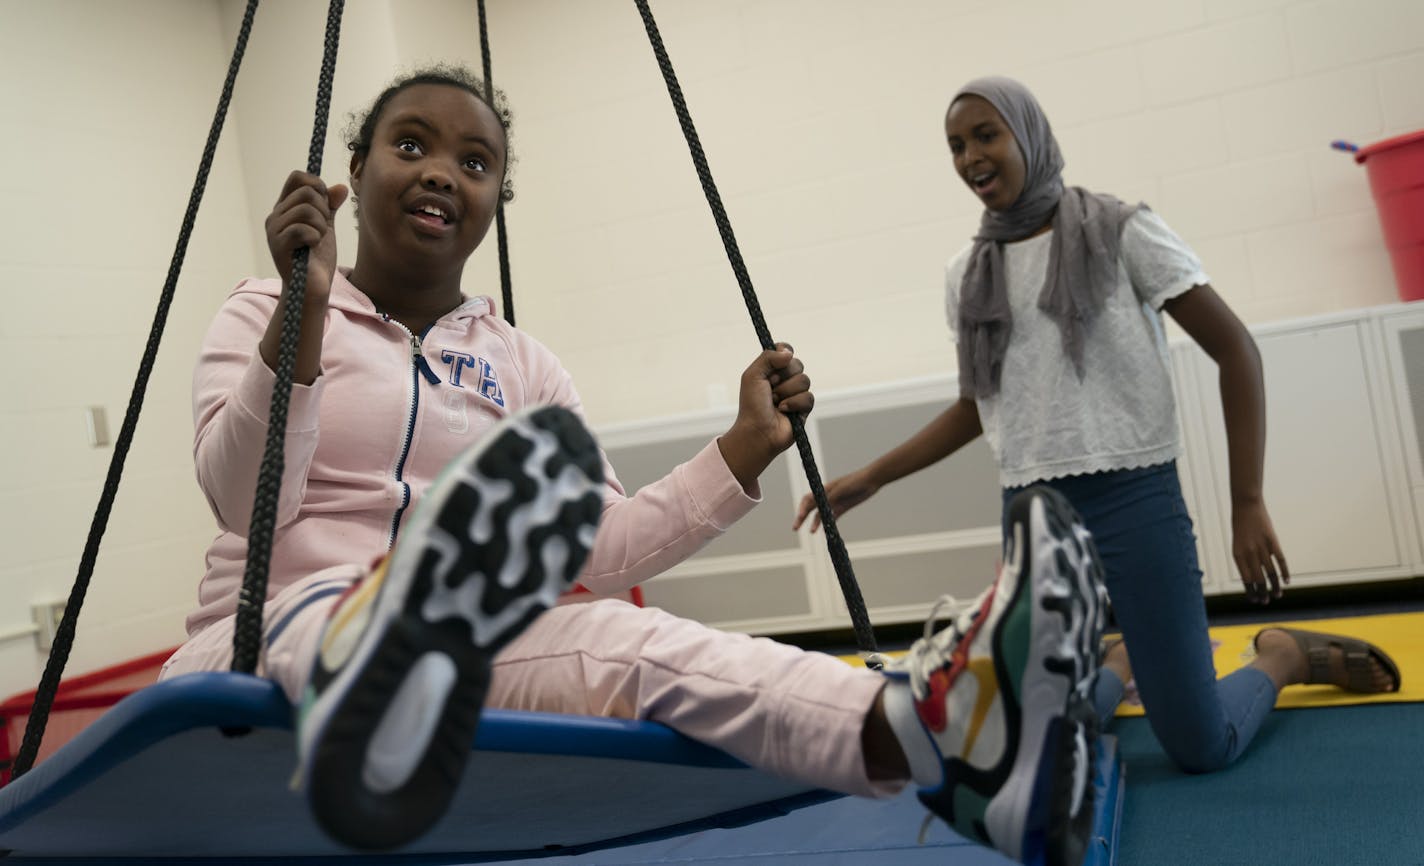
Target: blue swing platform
x,y
156,779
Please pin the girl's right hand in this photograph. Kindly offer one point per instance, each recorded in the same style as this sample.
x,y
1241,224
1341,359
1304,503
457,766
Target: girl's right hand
x,y
305,216
844,493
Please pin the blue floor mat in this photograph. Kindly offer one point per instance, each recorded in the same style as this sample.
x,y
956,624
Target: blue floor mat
x,y
1319,787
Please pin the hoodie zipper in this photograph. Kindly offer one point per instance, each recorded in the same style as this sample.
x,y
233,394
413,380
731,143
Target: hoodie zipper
x,y
418,367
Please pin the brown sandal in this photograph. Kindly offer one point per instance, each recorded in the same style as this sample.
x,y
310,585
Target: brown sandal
x,y
1359,675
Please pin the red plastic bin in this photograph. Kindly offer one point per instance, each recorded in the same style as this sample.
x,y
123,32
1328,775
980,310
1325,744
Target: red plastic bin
x,y
1396,171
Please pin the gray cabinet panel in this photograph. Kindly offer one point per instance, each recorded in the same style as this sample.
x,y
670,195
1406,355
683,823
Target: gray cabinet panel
x,y
763,593
905,579
1411,350
766,529
961,492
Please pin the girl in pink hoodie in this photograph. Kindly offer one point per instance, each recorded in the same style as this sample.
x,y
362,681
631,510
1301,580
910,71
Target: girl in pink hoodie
x,y
414,441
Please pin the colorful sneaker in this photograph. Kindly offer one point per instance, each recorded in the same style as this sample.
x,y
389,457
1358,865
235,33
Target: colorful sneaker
x,y
389,716
1005,692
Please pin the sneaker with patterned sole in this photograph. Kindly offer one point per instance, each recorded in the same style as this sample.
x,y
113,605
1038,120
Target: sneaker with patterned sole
x,y
389,716
1005,692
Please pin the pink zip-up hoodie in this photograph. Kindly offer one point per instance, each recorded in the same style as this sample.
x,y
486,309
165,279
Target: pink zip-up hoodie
x,y
388,411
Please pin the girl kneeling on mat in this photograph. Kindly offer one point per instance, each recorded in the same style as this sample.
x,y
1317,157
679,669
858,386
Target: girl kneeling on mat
x,y
1063,367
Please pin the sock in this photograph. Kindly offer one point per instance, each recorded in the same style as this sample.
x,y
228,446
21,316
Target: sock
x,y
926,767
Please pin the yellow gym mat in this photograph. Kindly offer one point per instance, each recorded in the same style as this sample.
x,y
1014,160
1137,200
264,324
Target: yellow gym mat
x,y
1401,635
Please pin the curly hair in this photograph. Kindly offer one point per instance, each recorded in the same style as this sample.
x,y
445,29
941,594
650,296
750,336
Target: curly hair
x,y
362,124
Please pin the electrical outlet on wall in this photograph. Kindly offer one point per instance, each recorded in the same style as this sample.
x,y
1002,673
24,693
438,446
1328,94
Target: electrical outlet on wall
x,y
46,616
97,421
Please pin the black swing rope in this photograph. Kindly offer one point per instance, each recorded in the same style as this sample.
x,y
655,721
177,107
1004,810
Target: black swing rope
x,y
64,634
855,604
505,284
247,634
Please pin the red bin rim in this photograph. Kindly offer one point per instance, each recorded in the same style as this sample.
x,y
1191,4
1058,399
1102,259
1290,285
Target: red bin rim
x,y
1389,144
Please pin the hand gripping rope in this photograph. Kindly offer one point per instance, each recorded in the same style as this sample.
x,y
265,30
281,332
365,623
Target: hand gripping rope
x,y
247,636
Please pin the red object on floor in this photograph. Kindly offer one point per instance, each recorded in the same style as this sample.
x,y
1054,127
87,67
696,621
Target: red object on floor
x,y
78,702
1396,170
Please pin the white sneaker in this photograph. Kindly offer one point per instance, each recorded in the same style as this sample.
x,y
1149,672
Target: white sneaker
x,y
390,713
1005,691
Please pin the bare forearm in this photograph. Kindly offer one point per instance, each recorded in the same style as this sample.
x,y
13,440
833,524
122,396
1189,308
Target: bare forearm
x,y
1243,404
746,454
1204,315
949,431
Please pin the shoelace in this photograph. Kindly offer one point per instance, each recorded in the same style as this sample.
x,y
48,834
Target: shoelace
x,y
928,654
925,828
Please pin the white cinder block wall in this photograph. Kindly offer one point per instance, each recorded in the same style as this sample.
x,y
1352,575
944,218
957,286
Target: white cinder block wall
x,y
105,108
821,118
823,124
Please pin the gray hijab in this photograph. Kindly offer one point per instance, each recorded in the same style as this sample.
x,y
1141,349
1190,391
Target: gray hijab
x,y
1082,255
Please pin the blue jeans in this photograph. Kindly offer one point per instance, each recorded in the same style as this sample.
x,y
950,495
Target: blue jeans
x,y
1142,530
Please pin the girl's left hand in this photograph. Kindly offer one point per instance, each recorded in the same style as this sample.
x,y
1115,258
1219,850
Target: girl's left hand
x,y
1257,552
772,388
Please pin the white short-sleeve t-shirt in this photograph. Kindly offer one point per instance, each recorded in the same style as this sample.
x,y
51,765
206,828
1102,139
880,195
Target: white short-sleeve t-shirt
x,y
1045,422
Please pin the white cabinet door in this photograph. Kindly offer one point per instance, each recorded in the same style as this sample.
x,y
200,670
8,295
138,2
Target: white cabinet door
x,y
1327,478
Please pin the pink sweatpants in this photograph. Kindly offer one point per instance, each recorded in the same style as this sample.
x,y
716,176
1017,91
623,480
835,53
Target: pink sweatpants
x,y
793,713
